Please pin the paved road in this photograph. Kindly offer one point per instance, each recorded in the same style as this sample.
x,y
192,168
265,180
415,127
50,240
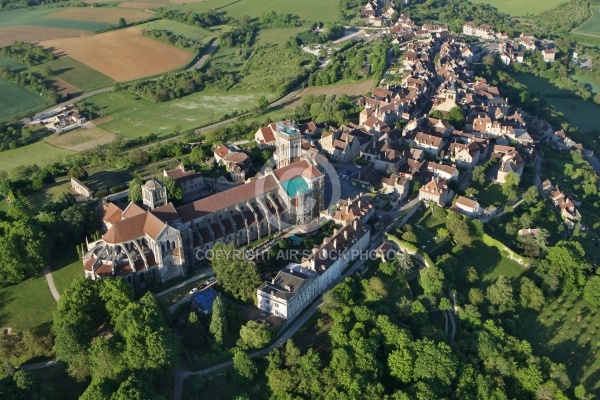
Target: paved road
x,y
50,280
207,53
40,365
199,275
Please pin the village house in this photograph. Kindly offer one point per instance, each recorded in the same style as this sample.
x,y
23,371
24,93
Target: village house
x,y
431,144
549,55
189,180
443,171
436,190
368,179
396,184
341,146
295,287
467,206
347,210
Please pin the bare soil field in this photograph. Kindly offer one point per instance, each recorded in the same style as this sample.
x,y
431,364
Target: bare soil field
x,y
143,4
350,89
106,15
33,34
64,87
81,139
123,55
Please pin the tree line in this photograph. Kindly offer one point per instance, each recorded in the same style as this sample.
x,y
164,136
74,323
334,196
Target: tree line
x,y
168,37
27,54
204,20
32,81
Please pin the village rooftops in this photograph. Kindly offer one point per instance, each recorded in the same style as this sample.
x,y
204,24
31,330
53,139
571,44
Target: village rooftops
x,y
288,281
133,228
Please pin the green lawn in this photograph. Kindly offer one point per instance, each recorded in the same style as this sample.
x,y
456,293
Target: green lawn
x,y
522,8
68,387
595,86
133,118
40,153
490,193
278,35
591,27
40,198
15,99
31,17
66,268
310,10
79,74
576,110
27,304
568,331
191,32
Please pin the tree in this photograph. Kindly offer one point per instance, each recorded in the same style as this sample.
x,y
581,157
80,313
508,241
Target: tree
x,y
135,190
591,292
116,295
501,293
456,117
460,230
471,314
122,22
531,195
25,250
437,114
410,237
510,185
445,304
138,157
530,295
174,190
443,233
476,296
218,321
236,274
195,332
77,172
432,280
243,364
254,335
262,105
566,260
472,275
478,174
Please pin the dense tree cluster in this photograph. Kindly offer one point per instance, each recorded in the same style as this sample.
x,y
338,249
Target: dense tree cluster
x,y
28,54
242,34
178,84
271,19
236,274
204,20
321,108
15,135
357,62
323,35
124,345
168,37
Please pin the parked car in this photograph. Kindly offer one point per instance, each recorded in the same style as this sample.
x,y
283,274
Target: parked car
x,y
194,290
211,280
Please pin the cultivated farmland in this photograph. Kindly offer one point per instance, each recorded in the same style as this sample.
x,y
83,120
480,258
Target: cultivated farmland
x,y
79,74
591,27
134,118
123,55
16,100
143,4
81,139
103,15
32,34
522,8
40,17
310,10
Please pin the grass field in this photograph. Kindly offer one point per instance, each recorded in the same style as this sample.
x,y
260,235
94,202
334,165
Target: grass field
x,y
79,74
277,35
568,331
81,139
310,10
350,89
522,8
123,54
577,110
40,198
67,267
147,4
591,27
26,305
133,118
191,32
14,99
40,153
103,15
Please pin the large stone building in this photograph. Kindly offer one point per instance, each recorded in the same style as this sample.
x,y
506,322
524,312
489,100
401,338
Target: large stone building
x,y
162,241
